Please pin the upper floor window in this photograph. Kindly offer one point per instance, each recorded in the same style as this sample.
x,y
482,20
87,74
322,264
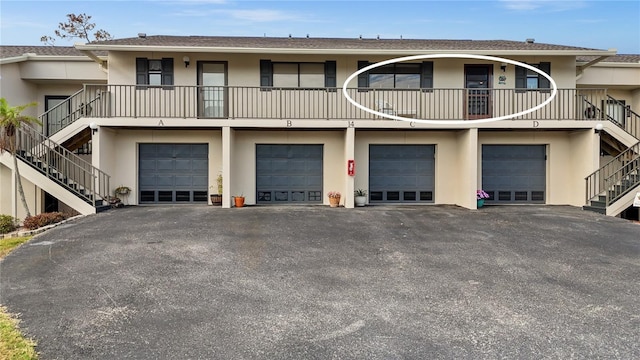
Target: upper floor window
x,y
297,74
154,72
397,76
529,79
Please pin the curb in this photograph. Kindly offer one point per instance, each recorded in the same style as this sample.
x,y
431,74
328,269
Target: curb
x,y
38,230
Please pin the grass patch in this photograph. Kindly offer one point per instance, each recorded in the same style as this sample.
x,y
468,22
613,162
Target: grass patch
x,y
8,244
13,345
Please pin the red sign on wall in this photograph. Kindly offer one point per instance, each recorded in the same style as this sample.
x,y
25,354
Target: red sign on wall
x,y
351,167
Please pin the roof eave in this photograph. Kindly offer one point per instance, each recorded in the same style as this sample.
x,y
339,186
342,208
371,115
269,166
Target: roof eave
x,y
247,50
34,57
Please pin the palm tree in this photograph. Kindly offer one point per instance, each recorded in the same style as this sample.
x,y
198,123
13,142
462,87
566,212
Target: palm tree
x,y
11,118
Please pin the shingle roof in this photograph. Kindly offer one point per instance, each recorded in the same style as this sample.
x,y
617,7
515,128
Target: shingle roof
x,y
332,43
10,51
619,58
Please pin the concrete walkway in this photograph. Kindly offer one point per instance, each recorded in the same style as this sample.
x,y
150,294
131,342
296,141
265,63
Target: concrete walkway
x,y
424,282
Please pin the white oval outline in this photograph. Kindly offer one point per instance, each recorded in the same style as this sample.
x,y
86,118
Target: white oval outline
x,y
554,88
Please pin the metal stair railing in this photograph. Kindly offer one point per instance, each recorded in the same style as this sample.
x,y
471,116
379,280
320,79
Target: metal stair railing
x,y
632,121
57,163
623,180
76,106
612,173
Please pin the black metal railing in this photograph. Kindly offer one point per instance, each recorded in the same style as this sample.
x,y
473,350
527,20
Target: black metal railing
x,y
67,169
241,102
616,177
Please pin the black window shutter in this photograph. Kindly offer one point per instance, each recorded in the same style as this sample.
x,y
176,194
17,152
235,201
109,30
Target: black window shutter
x,y
521,77
167,71
330,74
543,82
266,73
363,79
142,76
426,76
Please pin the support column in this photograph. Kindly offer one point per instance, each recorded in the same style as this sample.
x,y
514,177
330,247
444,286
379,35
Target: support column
x,y
470,179
227,145
349,151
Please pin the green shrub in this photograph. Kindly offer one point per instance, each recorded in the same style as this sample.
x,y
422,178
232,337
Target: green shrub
x,y
7,224
44,219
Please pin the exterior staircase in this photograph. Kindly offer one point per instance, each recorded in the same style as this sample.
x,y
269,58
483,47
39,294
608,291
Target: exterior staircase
x,y
59,172
610,190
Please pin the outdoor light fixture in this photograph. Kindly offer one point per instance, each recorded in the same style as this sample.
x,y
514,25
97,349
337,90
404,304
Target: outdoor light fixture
x,y
598,128
503,67
186,61
94,128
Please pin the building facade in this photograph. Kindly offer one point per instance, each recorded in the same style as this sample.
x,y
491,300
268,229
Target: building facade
x,y
166,116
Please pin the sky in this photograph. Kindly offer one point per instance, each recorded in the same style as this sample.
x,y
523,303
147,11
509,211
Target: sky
x,y
598,24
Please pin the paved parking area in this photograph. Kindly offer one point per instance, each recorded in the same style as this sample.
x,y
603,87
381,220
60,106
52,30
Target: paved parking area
x,y
318,283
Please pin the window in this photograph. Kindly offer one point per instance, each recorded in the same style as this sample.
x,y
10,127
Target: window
x,y
302,75
297,74
154,72
397,76
529,79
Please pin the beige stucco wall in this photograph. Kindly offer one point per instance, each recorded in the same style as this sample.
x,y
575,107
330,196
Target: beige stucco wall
x,y
603,75
32,194
6,191
66,71
571,156
117,152
15,90
243,69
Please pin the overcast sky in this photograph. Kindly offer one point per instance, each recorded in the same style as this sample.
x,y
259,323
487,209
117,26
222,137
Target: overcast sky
x,y
586,23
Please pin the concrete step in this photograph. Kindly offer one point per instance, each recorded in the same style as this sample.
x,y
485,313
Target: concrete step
x,y
595,209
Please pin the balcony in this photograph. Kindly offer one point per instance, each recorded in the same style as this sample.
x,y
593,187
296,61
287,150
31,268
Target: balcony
x,y
237,102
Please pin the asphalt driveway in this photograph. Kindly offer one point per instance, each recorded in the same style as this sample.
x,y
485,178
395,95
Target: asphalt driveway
x,y
200,282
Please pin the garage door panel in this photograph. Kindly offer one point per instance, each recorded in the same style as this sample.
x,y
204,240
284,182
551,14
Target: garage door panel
x,y
147,181
183,164
401,173
165,164
314,182
288,173
163,151
263,165
183,181
514,173
297,182
279,181
200,182
200,166
148,165
165,181
173,172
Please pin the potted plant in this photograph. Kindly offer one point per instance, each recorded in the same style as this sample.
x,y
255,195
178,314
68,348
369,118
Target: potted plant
x,y
122,190
216,199
239,200
480,196
360,197
334,198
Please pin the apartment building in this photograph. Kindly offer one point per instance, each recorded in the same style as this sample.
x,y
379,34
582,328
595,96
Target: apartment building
x,y
166,115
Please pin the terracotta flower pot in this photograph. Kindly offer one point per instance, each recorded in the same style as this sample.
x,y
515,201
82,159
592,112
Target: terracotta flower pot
x,y
334,201
239,201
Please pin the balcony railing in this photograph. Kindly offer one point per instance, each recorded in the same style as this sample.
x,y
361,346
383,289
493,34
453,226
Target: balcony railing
x,y
238,102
